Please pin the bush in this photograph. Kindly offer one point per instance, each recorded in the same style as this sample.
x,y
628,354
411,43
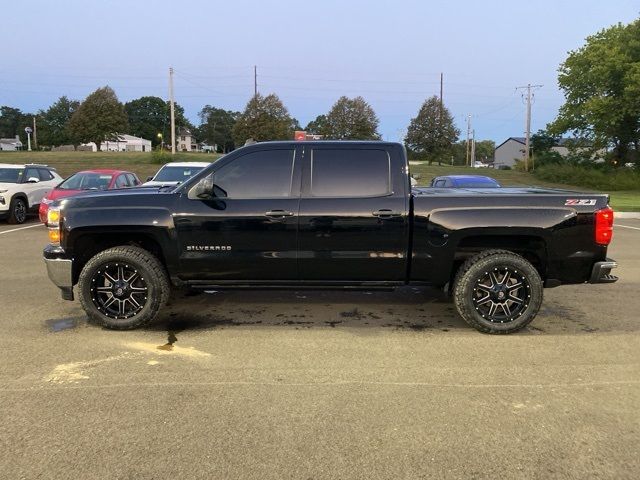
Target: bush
x,y
601,178
160,157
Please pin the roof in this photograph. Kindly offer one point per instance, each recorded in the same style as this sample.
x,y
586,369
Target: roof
x,y
521,140
11,165
187,164
10,140
467,177
105,171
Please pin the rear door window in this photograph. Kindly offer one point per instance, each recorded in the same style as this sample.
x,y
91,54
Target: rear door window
x,y
350,173
30,173
45,175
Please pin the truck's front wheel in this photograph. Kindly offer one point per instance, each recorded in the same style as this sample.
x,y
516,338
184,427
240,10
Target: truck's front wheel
x,y
123,287
497,292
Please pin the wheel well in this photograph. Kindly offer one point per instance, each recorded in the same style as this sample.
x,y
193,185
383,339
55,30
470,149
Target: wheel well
x,y
532,248
86,246
21,195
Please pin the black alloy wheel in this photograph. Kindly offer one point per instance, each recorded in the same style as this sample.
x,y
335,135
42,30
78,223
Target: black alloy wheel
x,y
118,290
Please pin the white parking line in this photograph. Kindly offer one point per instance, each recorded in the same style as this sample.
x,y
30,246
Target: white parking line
x,y
626,226
22,228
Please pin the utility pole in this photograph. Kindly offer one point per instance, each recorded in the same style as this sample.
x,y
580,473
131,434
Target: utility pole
x,y
473,148
441,89
173,113
527,138
35,134
468,139
255,81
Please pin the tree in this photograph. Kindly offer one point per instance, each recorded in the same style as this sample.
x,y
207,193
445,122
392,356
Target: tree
x,y
542,141
264,118
100,117
351,119
53,123
484,150
432,132
148,116
601,85
216,127
9,121
318,125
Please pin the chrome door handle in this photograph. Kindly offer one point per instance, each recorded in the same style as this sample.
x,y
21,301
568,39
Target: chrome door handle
x,y
278,214
386,213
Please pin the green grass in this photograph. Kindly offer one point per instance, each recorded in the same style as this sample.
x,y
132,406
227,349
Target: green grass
x,y
143,165
67,163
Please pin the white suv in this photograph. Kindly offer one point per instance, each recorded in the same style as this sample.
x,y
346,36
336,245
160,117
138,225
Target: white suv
x,y
22,188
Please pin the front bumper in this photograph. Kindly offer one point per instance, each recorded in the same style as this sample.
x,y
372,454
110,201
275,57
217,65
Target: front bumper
x,y
60,272
601,272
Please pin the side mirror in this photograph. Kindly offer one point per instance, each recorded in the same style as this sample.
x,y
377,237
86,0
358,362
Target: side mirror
x,y
203,189
33,180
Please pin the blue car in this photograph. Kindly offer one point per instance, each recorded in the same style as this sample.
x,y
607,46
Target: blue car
x,y
464,181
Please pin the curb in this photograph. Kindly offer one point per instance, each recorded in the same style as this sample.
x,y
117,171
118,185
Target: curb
x,y
626,214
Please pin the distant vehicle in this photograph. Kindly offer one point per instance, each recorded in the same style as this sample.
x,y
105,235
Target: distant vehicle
x,y
101,179
464,181
22,188
480,165
174,173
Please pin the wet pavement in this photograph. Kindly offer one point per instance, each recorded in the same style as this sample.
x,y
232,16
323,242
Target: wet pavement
x,y
318,384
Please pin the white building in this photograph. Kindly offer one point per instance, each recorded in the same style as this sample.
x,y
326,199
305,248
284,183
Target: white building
x,y
124,143
10,144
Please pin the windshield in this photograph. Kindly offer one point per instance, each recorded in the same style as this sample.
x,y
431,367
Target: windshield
x,y
175,174
10,175
86,181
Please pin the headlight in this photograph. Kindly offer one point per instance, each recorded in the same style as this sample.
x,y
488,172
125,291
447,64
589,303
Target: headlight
x,y
53,217
53,222
46,201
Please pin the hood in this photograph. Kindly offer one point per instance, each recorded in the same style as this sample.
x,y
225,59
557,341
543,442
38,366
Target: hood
x,y
57,193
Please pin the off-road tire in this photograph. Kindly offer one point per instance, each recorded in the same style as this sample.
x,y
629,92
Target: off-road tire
x,y
478,266
152,272
14,208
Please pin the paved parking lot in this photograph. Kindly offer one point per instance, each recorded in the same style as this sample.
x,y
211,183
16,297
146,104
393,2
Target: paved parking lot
x,y
318,384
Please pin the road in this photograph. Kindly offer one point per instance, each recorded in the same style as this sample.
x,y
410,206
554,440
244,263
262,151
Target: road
x,y
265,385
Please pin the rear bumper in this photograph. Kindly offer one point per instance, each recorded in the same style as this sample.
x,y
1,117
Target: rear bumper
x,y
60,273
601,272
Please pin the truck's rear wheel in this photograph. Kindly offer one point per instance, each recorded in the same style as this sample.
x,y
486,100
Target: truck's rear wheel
x,y
123,287
497,292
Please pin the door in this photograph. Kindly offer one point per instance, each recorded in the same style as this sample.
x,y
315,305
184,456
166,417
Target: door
x,y
248,230
34,189
354,224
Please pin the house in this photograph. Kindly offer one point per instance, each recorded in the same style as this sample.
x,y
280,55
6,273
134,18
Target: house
x,y
513,149
509,151
122,143
10,144
186,141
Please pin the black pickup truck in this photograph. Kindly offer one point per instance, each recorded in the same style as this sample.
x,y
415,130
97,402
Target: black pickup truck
x,y
325,214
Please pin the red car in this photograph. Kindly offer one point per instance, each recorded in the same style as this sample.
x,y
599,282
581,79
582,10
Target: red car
x,y
86,180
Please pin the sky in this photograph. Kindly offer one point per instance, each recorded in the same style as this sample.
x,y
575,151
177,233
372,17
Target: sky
x,y
308,53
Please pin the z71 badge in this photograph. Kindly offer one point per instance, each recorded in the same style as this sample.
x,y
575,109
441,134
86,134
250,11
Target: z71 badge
x,y
580,201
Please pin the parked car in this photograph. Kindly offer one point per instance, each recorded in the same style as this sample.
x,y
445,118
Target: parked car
x,y
326,214
22,188
174,173
464,181
100,179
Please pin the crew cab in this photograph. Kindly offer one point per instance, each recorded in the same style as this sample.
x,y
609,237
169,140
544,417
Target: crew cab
x,y
22,187
325,214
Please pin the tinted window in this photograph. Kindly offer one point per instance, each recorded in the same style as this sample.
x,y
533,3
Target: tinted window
x,y
349,173
45,175
440,183
31,173
10,175
265,174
